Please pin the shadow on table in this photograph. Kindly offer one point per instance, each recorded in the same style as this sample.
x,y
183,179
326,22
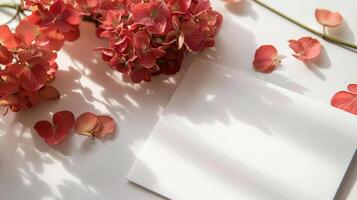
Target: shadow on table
x,y
68,170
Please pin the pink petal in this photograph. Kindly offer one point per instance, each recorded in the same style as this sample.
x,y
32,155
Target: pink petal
x,y
306,48
44,129
266,59
86,123
107,126
328,18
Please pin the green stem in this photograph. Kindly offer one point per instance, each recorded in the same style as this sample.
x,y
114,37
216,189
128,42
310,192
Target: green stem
x,y
322,35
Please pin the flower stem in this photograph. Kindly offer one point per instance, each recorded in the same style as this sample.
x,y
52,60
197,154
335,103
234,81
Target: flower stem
x,y
322,35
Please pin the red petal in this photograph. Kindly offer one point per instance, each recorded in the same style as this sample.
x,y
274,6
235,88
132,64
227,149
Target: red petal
x,y
345,101
33,78
7,38
49,93
72,17
8,88
86,123
63,122
193,35
139,74
27,31
57,7
44,129
5,55
328,18
141,40
266,59
107,126
306,48
352,88
72,35
10,100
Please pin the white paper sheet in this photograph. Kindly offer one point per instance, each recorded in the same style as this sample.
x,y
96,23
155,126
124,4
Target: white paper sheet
x,y
226,135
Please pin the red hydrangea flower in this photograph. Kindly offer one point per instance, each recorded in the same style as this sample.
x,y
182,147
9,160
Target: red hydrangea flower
x,y
54,133
154,15
346,100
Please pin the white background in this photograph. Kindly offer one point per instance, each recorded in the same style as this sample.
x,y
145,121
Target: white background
x,y
79,169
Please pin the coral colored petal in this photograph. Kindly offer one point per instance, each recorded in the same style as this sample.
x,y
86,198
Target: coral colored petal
x,y
345,101
107,126
352,88
306,48
49,93
33,78
7,38
27,31
63,122
328,18
266,59
5,55
86,123
44,129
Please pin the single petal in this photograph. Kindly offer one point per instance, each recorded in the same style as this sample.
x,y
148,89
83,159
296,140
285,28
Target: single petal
x,y
58,7
7,38
352,88
49,93
33,78
5,55
63,122
107,126
328,18
8,88
86,123
266,59
345,101
27,31
44,129
306,48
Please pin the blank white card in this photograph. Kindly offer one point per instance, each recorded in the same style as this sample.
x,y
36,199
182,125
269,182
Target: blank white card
x,y
228,136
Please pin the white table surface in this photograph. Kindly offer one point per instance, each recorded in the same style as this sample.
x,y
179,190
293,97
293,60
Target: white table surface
x,y
79,169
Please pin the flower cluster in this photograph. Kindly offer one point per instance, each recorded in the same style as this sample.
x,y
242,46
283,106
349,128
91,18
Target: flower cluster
x,y
28,54
151,37
145,38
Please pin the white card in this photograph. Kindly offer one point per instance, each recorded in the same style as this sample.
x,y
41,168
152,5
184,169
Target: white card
x,y
226,135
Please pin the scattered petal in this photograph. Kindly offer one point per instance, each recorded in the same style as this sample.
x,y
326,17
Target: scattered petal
x,y
306,48
346,100
86,123
44,129
266,59
328,18
107,126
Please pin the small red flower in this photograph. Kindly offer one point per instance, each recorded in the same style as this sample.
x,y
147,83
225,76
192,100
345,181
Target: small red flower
x,y
147,55
91,125
266,59
153,15
346,101
328,18
306,48
62,124
7,38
